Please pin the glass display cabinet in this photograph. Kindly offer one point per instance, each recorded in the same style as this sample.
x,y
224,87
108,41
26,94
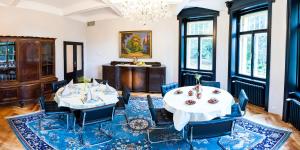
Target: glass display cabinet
x,y
27,68
7,61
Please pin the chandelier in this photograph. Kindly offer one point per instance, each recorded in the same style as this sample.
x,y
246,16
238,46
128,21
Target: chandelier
x,y
144,11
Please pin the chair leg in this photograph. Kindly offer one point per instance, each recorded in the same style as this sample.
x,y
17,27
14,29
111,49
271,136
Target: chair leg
x,y
67,116
220,145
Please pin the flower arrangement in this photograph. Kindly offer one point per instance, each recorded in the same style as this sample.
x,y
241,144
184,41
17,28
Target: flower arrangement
x,y
197,77
85,81
198,87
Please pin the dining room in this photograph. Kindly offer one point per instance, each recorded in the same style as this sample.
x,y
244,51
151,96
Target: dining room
x,y
150,74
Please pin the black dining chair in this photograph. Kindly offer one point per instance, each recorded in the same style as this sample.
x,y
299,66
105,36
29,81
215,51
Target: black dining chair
x,y
98,115
58,84
162,119
211,84
210,129
51,108
168,87
123,101
239,109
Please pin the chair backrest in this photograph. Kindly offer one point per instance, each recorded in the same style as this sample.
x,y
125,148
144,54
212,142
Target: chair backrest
x,y
42,102
168,87
151,108
210,129
58,84
101,81
243,100
96,115
211,83
126,94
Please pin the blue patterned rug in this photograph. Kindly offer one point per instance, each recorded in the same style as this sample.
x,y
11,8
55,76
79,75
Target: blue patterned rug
x,y
133,136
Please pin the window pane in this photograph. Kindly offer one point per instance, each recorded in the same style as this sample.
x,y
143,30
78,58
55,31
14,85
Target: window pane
x,y
192,53
254,21
260,55
206,51
245,54
200,27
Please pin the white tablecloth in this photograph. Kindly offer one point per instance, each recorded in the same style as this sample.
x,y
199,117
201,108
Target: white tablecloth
x,y
202,110
100,96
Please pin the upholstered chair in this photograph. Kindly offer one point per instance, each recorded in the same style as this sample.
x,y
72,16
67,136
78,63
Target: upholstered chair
x,y
162,119
51,109
58,84
211,84
168,87
210,129
98,115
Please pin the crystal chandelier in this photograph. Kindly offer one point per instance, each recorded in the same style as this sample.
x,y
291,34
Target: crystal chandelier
x,y
144,11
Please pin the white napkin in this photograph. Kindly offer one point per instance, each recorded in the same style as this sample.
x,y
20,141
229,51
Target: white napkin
x,y
71,82
67,91
89,95
95,83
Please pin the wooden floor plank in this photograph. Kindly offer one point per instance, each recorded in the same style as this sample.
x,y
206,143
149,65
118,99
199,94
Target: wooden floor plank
x,y
8,140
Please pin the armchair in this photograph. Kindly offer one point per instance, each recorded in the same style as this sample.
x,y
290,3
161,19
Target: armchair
x,y
211,83
58,84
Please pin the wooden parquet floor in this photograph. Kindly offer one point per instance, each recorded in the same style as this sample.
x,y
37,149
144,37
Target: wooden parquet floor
x,y
8,140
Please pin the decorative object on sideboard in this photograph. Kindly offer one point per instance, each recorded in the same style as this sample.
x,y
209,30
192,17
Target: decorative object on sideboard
x,y
136,44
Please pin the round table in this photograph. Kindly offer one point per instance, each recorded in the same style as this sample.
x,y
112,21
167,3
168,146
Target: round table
x,y
101,95
202,110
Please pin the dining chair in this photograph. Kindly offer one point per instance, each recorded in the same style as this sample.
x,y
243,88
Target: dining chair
x,y
239,109
162,120
123,101
97,115
210,129
168,87
211,84
100,81
58,84
50,109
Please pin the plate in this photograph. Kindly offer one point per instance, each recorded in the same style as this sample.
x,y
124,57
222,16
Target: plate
x,y
190,102
178,92
216,91
213,101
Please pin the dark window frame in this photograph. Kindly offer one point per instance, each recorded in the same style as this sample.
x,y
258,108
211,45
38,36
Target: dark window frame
x,y
252,32
236,7
195,14
185,36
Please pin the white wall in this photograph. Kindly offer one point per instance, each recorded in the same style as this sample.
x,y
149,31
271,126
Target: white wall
x,y
103,44
23,22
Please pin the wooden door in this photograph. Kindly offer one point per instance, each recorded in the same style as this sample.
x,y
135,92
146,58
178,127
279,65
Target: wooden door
x,y
73,60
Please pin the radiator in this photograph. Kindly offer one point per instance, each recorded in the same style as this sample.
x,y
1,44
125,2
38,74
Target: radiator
x,y
188,79
255,93
294,112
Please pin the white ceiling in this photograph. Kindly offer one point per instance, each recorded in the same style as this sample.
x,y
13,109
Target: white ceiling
x,y
93,10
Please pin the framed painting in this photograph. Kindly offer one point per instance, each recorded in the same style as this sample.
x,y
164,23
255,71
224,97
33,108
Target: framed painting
x,y
136,44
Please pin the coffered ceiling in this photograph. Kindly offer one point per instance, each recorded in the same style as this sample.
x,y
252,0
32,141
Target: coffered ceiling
x,y
93,10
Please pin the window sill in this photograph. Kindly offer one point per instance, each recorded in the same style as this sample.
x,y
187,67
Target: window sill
x,y
248,80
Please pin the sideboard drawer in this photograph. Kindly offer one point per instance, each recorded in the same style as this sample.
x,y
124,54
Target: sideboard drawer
x,y
11,94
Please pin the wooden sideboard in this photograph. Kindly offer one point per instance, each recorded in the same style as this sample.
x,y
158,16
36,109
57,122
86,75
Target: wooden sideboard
x,y
27,68
137,78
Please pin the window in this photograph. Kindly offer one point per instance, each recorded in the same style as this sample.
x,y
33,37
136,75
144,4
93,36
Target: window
x,y
199,45
252,44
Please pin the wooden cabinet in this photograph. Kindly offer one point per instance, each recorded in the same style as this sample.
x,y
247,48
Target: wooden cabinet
x,y
136,78
27,70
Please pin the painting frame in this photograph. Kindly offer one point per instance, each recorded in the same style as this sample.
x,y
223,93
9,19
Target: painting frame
x,y
145,35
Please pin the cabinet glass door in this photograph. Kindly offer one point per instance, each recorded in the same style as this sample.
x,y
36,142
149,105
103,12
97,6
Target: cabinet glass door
x,y
47,58
7,61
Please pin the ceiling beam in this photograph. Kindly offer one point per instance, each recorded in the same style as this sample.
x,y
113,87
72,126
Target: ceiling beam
x,y
14,2
113,7
83,7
